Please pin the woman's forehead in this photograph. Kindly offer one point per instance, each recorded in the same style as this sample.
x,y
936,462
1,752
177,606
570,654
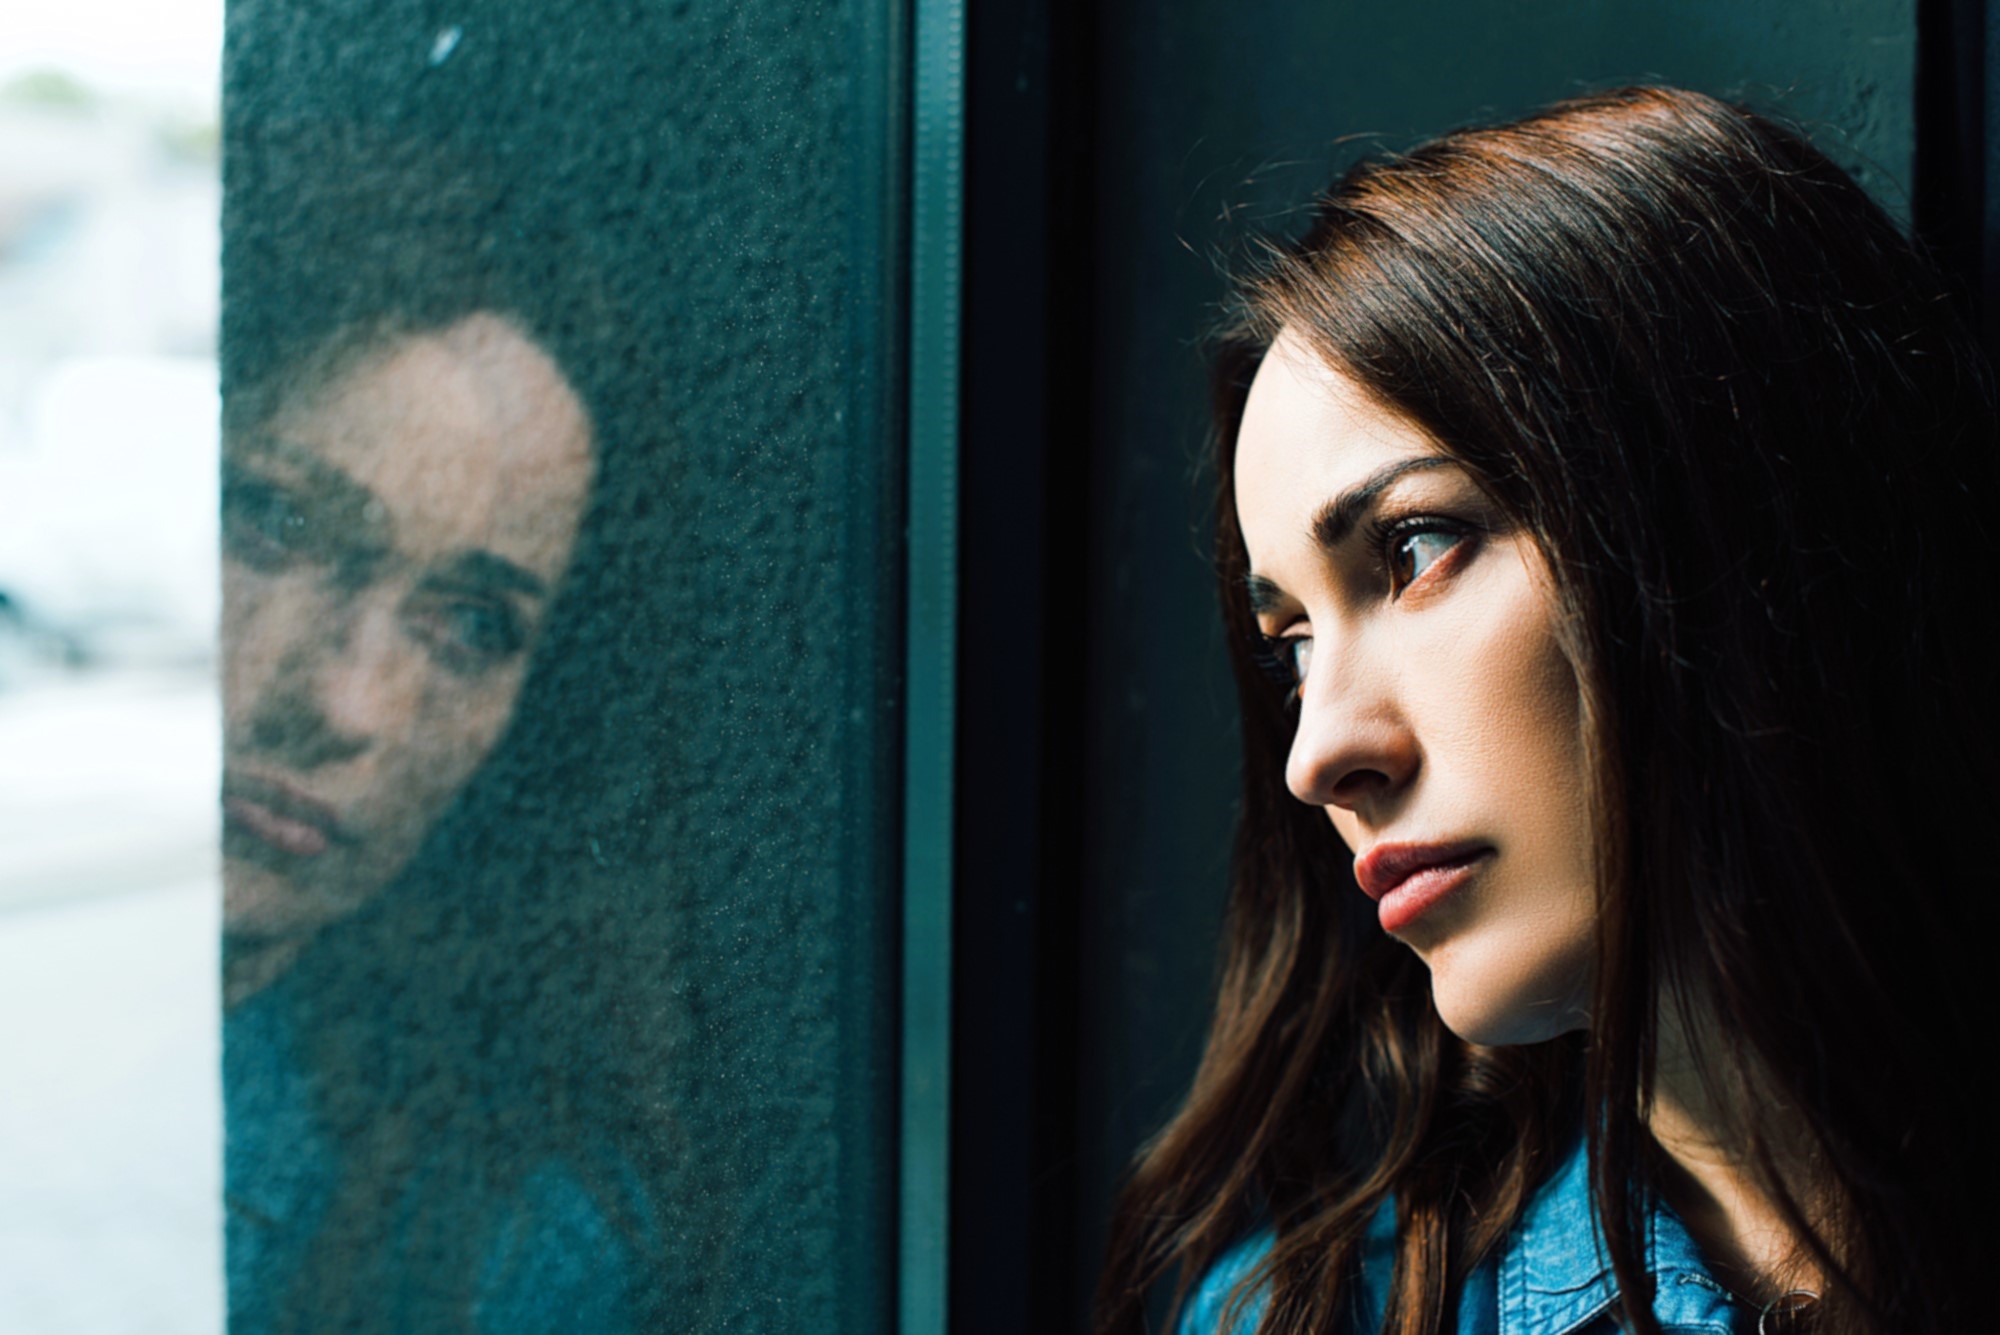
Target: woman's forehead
x,y
469,438
1309,431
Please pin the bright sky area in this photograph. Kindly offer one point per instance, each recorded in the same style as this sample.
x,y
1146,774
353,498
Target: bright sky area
x,y
169,52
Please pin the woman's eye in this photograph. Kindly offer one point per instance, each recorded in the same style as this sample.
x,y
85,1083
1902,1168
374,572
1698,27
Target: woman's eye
x,y
1302,654
1414,550
1285,659
263,526
469,636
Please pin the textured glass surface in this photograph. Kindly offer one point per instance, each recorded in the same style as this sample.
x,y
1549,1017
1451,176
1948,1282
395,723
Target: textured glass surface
x,y
559,528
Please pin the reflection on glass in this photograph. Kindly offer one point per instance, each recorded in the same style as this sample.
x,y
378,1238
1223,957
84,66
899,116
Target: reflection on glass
x,y
419,1137
392,535
563,571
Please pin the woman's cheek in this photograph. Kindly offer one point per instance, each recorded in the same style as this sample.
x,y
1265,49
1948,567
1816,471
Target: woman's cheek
x,y
460,722
263,616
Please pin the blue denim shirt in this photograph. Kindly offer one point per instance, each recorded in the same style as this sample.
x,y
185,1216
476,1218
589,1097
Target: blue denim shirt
x,y
551,1257
1550,1277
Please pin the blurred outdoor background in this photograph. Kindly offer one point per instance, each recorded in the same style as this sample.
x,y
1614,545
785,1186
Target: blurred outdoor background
x,y
110,1120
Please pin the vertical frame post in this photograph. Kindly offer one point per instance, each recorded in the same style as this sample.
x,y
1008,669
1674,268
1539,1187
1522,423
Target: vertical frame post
x,y
936,230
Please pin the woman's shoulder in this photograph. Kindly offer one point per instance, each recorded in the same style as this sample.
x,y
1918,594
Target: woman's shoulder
x,y
1208,1306
1551,1274
1215,1308
572,1249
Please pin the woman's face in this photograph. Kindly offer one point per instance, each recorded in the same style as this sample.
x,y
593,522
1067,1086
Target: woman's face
x,y
391,543
1439,722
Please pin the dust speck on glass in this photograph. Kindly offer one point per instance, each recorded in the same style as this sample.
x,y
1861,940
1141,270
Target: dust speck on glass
x,y
556,593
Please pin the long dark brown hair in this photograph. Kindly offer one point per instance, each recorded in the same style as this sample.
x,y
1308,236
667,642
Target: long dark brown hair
x,y
1745,423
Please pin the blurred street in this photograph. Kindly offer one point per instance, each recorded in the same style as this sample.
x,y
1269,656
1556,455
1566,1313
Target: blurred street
x,y
107,785
110,1111
110,1123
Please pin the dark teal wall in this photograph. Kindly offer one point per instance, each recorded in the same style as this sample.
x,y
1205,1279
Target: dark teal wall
x,y
1214,121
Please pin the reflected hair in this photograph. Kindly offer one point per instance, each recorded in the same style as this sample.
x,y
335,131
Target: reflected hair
x,y
1747,427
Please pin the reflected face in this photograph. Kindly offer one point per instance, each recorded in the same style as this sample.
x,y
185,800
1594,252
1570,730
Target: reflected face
x,y
391,543
1439,722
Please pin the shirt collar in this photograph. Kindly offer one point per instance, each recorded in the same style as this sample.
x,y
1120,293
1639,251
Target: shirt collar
x,y
1555,1272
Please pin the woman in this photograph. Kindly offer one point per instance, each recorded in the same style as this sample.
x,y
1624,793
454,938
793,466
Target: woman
x,y
1605,493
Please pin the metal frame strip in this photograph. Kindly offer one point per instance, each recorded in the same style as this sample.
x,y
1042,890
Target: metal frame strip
x,y
937,203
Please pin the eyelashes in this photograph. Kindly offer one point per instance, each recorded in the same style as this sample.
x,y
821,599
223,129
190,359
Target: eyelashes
x,y
1273,655
469,634
1403,550
263,524
1284,659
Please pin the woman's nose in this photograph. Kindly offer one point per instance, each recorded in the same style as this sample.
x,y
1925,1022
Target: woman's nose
x,y
1353,747
347,680
367,680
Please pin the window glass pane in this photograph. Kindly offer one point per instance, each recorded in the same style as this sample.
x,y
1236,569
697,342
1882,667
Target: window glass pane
x,y
110,1123
559,561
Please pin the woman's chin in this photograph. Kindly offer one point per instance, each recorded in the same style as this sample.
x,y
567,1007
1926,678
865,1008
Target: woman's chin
x,y
262,903
1494,1003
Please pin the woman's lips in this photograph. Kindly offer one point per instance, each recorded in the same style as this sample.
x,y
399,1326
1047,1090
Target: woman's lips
x,y
285,819
1405,880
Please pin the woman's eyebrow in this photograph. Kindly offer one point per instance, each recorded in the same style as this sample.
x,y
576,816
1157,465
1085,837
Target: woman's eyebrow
x,y
1264,595
1332,522
351,508
481,571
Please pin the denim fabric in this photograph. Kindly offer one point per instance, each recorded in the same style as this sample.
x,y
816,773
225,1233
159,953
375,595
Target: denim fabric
x,y
1551,1276
550,1256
